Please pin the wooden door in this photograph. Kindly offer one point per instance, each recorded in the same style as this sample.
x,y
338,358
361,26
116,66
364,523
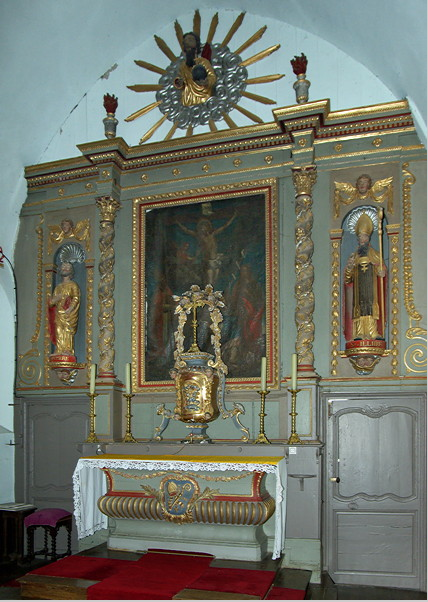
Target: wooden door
x,y
374,487
53,431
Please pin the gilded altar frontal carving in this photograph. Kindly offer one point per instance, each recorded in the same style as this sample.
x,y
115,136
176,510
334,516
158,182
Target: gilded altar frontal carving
x,y
185,498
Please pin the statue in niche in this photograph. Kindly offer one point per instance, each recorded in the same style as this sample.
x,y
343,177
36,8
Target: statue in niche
x,y
196,77
365,285
364,280
63,307
364,190
66,230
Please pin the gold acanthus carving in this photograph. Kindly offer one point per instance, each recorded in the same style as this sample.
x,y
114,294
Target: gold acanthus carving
x,y
108,208
394,295
304,179
415,356
336,236
408,181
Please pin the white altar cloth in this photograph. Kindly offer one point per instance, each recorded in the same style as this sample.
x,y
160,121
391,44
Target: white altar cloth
x,y
89,483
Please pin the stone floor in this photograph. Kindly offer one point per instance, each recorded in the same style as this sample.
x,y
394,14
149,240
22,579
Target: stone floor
x,y
292,578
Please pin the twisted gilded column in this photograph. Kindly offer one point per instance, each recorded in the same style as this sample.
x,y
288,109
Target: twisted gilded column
x,y
303,179
108,208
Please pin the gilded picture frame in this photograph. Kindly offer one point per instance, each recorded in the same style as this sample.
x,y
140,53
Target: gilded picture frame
x,y
226,236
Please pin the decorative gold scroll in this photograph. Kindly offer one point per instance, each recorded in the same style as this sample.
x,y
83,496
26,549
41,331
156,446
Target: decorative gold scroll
x,y
415,356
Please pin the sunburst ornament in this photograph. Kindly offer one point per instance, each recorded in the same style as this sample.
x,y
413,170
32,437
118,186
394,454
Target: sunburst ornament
x,y
204,83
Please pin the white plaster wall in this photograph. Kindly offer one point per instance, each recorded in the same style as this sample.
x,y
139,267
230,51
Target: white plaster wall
x,y
332,73
7,354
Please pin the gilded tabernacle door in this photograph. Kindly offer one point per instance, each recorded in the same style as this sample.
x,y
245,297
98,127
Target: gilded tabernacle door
x,y
207,236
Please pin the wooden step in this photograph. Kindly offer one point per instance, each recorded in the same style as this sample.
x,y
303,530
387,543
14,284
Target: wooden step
x,y
46,587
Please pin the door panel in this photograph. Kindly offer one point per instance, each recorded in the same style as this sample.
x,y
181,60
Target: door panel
x,y
375,507
54,430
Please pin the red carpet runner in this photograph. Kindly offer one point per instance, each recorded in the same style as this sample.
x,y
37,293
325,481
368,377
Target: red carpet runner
x,y
234,581
162,574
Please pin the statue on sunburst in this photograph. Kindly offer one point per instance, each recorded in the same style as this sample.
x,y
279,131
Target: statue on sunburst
x,y
202,87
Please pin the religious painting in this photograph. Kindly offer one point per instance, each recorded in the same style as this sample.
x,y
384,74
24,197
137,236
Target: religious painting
x,y
224,236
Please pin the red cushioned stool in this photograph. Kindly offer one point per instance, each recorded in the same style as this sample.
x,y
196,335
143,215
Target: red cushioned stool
x,y
51,519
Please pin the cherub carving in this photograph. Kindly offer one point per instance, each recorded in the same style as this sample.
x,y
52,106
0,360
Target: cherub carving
x,y
67,229
379,192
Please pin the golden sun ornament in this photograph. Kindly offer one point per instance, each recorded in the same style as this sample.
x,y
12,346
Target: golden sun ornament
x,y
205,82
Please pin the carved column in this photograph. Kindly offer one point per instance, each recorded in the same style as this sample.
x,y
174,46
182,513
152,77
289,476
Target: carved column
x,y
108,208
303,179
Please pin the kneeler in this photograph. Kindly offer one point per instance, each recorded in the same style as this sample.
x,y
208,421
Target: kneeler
x,y
51,519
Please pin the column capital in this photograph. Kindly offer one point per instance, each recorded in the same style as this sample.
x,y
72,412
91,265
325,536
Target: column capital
x,y
304,179
108,207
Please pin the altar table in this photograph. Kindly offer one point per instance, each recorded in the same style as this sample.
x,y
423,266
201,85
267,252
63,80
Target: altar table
x,y
89,483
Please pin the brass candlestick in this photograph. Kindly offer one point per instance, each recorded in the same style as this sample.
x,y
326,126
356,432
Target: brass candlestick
x,y
262,437
294,437
92,438
129,438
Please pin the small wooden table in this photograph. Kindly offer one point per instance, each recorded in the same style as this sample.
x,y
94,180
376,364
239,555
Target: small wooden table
x,y
12,529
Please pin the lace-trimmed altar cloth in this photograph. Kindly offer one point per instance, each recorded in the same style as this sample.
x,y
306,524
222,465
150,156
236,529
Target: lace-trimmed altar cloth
x,y
89,483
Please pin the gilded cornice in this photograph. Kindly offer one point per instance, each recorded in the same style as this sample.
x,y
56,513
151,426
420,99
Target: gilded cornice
x,y
314,119
57,174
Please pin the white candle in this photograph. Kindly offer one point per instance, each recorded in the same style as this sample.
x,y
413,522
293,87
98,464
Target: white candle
x,y
294,371
263,374
92,379
128,378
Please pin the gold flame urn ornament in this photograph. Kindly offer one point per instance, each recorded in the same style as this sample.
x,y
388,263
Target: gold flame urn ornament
x,y
200,376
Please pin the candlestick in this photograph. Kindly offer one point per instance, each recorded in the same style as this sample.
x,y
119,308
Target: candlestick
x,y
262,437
129,438
294,371
93,375
128,378
263,374
294,437
92,438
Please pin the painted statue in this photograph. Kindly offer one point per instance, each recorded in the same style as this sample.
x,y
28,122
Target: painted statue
x,y
64,311
196,77
365,287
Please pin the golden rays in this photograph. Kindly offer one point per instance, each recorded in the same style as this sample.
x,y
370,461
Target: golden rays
x,y
171,56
